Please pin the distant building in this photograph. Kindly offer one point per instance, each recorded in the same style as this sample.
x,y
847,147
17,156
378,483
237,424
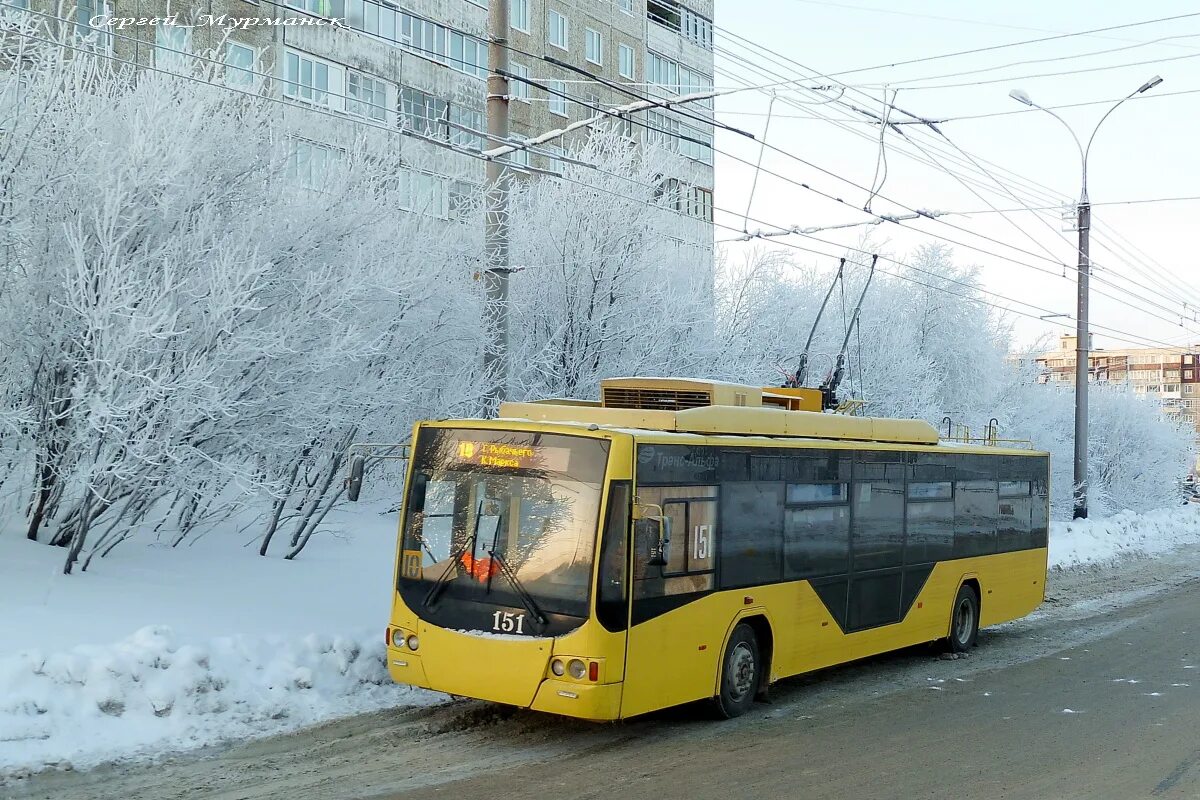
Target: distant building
x,y
421,65
1171,374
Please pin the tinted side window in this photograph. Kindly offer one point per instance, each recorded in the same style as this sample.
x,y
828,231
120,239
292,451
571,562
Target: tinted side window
x,y
816,541
878,537
1015,520
929,512
751,533
1040,524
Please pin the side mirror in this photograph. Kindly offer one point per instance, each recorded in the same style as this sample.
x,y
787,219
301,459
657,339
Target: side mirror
x,y
416,495
358,465
660,552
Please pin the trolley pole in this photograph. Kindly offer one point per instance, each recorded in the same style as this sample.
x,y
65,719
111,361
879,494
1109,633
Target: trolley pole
x,y
496,352
1082,349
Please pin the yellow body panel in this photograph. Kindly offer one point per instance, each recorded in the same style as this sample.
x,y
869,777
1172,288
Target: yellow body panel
x,y
806,637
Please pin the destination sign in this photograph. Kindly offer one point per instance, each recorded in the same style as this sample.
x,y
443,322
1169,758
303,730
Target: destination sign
x,y
513,456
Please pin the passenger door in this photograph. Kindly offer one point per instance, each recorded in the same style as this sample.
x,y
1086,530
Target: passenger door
x,y
672,652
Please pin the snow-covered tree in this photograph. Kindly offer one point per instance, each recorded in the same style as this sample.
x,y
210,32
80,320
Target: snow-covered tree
x,y
202,306
605,287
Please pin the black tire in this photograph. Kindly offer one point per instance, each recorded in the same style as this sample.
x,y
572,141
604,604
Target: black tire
x,y
741,673
964,620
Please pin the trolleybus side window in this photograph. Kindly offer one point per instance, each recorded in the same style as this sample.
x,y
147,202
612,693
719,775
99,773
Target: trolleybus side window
x,y
816,530
975,506
1014,530
751,533
878,538
692,511
929,510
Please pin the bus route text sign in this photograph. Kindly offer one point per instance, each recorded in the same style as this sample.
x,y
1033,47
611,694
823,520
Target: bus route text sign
x,y
499,455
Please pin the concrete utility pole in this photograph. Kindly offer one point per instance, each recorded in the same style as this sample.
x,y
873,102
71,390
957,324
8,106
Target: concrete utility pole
x,y
1082,350
1082,345
495,356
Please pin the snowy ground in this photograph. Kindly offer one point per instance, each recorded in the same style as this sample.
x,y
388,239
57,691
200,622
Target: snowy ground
x,y
156,650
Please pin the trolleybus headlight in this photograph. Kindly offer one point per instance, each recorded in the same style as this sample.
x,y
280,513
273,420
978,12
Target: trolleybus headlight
x,y
397,637
577,669
413,642
558,667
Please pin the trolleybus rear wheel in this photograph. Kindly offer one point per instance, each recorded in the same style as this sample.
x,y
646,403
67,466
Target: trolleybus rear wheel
x,y
741,672
964,620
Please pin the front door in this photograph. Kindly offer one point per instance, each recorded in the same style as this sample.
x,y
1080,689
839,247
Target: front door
x,y
672,652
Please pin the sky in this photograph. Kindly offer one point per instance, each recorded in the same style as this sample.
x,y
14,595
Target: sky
x,y
1145,150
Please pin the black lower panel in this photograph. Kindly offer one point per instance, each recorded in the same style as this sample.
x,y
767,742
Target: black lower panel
x,y
832,592
914,582
874,600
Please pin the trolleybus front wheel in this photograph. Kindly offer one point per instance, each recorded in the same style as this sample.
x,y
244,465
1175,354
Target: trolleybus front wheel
x,y
964,620
740,673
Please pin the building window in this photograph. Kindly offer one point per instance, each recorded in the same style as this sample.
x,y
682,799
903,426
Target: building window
x,y
518,14
366,96
438,43
171,46
673,78
556,29
518,89
239,65
466,127
670,133
594,50
424,193
625,61
682,20
311,163
552,163
558,100
626,6
1189,360
323,8
423,113
85,12
1188,374
307,79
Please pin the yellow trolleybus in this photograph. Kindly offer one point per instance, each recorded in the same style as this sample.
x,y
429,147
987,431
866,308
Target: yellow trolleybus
x,y
684,540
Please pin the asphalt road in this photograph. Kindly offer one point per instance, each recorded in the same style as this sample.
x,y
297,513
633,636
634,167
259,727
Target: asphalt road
x,y
1095,696
1118,718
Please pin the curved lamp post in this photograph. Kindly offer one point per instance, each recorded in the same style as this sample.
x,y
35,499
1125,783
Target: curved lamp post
x,y
1084,211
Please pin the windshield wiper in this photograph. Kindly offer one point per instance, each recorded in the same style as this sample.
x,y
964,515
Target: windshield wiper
x,y
526,598
444,578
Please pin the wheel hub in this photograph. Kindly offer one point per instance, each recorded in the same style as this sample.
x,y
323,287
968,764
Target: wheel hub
x,y
741,671
964,621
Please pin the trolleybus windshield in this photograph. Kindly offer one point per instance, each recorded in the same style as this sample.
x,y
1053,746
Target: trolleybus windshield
x,y
502,518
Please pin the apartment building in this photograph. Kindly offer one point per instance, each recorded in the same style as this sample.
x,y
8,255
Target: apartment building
x,y
1171,374
421,66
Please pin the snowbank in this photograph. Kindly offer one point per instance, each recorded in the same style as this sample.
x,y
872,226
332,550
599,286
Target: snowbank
x,y
158,649
147,694
1095,541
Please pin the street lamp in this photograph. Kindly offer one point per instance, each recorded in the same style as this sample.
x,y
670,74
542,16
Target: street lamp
x,y
1084,210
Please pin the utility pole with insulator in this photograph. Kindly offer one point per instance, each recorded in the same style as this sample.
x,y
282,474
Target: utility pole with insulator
x,y
495,356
